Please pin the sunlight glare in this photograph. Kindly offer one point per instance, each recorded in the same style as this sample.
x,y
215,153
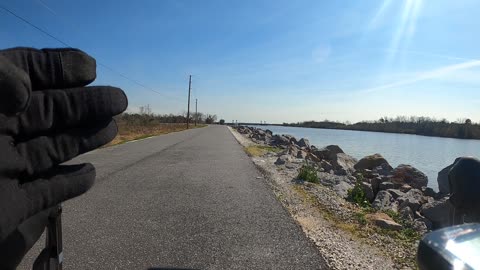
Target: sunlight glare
x,y
380,14
406,26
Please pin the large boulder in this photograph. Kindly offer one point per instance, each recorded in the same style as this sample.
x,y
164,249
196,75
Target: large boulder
x,y
342,188
280,140
438,212
428,191
413,198
368,191
442,178
465,186
375,182
406,174
281,160
383,170
244,130
386,185
383,221
292,151
371,162
406,213
343,164
328,152
396,193
290,138
328,179
303,143
327,167
420,226
405,188
258,136
383,200
313,157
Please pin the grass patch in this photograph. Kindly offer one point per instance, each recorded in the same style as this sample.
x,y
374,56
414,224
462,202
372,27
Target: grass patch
x,y
136,131
357,195
361,218
308,173
408,233
260,150
359,227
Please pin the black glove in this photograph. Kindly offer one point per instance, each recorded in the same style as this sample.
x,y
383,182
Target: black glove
x,y
22,239
47,117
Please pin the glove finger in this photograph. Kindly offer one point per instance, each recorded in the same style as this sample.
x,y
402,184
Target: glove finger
x,y
20,202
58,110
53,68
42,153
14,88
14,247
62,183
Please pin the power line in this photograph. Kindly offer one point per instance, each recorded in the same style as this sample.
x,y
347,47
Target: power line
x,y
32,25
100,63
137,82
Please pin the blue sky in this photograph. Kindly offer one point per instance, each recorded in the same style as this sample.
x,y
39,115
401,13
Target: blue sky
x,y
276,60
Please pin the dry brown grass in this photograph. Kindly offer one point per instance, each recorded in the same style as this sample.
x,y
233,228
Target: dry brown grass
x,y
260,150
129,132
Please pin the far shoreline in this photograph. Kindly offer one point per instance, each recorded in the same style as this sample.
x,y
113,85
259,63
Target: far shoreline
x,y
359,130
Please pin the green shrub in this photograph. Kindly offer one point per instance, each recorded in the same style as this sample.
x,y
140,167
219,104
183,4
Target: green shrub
x,y
308,173
409,234
361,218
357,195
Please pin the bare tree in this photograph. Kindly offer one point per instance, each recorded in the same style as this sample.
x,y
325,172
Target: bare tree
x,y
146,110
210,118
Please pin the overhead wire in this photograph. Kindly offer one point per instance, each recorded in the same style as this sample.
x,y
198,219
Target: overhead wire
x,y
100,63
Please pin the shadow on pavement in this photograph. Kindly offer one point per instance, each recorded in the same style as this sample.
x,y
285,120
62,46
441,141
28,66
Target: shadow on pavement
x,y
170,268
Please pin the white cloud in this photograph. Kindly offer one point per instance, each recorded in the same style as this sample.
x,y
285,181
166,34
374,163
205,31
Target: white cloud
x,y
435,73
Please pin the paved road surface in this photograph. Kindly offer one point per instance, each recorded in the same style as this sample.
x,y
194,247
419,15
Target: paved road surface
x,y
184,200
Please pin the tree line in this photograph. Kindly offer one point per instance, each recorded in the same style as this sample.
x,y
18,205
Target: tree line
x,y
461,129
145,116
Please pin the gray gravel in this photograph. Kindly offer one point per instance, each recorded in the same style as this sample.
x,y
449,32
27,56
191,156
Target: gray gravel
x,y
185,200
340,248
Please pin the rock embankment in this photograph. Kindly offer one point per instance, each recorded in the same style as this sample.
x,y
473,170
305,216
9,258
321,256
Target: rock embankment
x,y
361,214
402,190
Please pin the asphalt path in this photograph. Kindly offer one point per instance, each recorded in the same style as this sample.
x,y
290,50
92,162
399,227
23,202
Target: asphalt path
x,y
186,200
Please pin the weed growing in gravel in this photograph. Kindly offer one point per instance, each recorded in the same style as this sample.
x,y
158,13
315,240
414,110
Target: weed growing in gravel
x,y
408,233
361,218
357,195
308,173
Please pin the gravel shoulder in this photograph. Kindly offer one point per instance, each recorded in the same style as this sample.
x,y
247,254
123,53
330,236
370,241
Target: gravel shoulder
x,y
324,216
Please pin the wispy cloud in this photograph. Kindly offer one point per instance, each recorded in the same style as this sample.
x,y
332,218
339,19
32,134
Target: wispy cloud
x,y
435,73
46,6
421,53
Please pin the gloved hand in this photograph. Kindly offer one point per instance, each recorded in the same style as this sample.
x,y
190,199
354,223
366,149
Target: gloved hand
x,y
48,116
22,239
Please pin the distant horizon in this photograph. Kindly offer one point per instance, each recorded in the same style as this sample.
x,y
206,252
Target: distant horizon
x,y
276,61
342,122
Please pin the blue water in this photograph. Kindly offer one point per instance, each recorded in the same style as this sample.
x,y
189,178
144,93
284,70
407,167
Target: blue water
x,y
428,154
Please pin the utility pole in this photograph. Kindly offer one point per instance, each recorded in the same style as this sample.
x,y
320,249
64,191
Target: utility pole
x,y
196,112
188,109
